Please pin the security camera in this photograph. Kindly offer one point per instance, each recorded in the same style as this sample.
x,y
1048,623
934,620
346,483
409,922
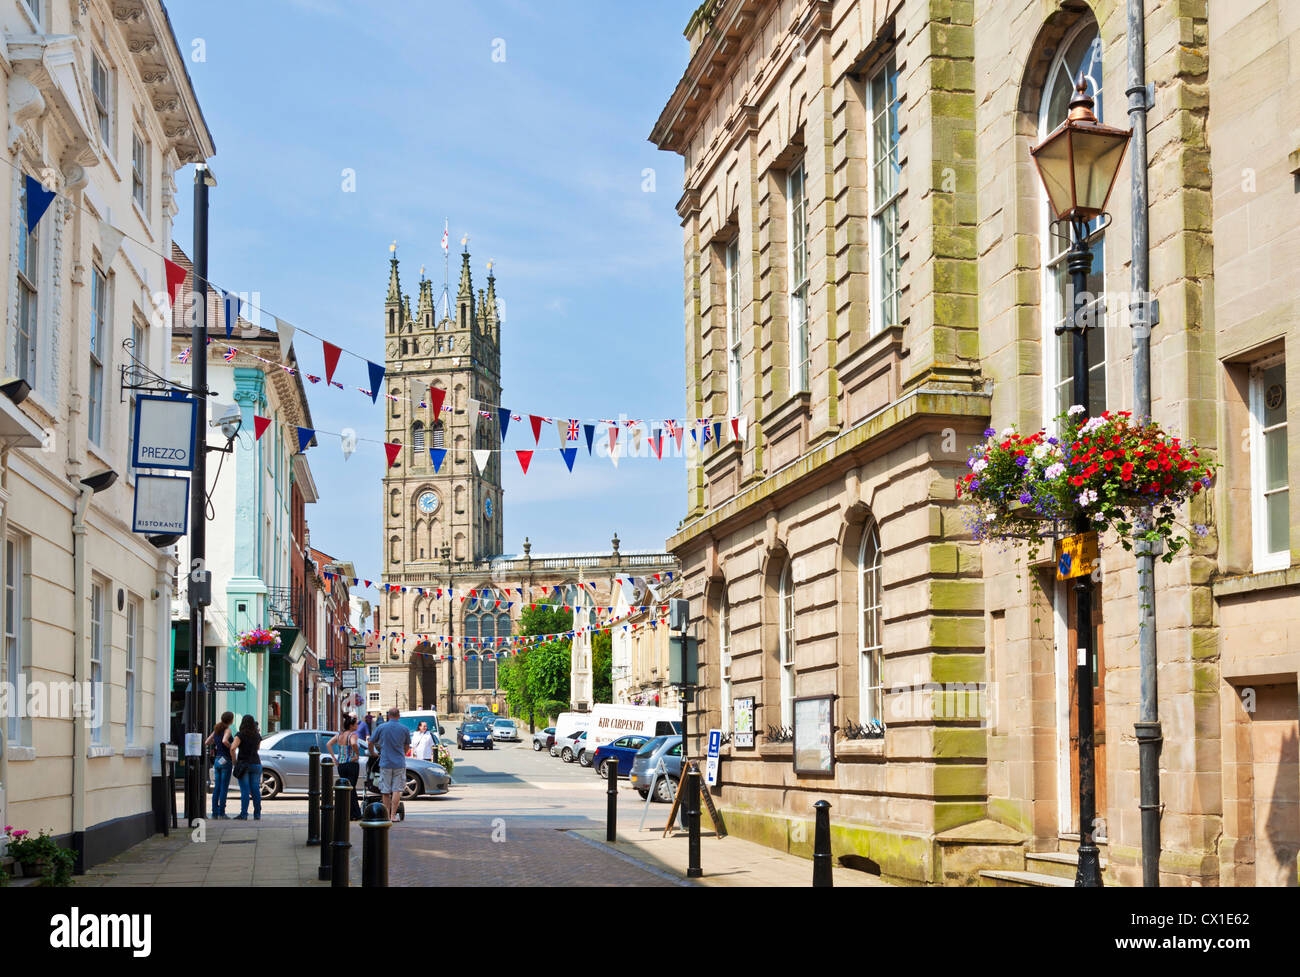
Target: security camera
x,y
228,418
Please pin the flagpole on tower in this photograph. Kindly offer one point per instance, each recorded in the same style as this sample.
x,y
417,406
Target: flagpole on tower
x,y
446,271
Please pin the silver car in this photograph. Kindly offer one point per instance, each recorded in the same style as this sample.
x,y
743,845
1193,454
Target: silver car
x,y
285,758
505,730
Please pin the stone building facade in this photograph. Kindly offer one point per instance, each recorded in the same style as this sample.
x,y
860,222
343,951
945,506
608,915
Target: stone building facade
x,y
871,280
98,108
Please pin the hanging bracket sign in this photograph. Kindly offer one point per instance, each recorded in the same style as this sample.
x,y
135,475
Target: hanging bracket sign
x,y
162,504
164,432
1077,556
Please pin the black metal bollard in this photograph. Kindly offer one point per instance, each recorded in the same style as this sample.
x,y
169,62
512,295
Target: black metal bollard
x,y
342,843
313,796
822,878
374,846
693,870
611,801
326,816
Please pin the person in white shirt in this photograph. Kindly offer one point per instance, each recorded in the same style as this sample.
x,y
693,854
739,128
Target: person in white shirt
x,y
422,743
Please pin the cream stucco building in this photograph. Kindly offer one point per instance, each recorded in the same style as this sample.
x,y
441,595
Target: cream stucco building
x,y
100,109
871,281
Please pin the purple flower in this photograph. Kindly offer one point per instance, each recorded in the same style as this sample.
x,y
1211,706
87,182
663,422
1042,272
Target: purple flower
x,y
989,432
974,484
1022,461
1026,498
1053,441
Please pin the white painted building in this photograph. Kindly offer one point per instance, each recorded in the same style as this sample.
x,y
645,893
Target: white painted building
x,y
100,109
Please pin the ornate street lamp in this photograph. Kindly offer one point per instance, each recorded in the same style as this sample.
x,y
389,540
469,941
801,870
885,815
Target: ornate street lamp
x,y
1078,163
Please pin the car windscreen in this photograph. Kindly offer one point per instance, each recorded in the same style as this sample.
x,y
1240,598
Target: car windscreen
x,y
651,746
475,728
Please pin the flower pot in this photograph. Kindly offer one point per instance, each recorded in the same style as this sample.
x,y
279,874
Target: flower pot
x,y
35,869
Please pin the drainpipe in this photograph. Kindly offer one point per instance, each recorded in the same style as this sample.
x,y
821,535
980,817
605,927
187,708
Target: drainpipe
x,y
1144,314
80,672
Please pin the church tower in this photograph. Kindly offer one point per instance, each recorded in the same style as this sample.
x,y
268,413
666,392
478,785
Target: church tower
x,y
453,505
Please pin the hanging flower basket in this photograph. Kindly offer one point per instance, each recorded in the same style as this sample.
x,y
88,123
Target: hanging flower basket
x,y
259,640
1110,469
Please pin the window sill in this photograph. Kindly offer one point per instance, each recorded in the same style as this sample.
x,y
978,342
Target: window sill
x,y
21,754
860,748
777,751
96,752
135,751
1252,583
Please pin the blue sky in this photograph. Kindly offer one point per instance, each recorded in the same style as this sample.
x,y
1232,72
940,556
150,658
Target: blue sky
x,y
539,158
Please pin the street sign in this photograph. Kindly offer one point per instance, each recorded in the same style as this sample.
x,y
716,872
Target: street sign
x,y
230,686
194,744
1076,556
711,764
162,504
181,676
349,678
170,753
164,433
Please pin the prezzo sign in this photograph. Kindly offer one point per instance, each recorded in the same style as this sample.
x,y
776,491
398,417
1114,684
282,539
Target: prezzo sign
x,y
164,432
162,504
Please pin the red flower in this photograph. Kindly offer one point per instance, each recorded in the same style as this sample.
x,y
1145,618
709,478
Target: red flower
x,y
1127,471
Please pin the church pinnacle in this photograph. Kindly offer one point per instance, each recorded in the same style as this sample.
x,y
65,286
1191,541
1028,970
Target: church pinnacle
x,y
394,283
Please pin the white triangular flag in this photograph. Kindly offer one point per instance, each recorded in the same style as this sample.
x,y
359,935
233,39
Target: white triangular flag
x,y
349,438
110,239
481,457
637,432
614,451
562,429
473,408
285,332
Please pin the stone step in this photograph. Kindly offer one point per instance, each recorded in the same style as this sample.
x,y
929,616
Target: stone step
x,y
1064,864
1005,879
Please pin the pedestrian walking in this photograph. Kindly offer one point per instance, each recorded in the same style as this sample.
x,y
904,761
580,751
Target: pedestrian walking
x,y
391,741
422,742
248,767
222,764
348,759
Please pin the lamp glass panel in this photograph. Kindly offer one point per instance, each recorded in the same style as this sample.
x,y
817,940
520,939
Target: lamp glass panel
x,y
1097,157
1053,158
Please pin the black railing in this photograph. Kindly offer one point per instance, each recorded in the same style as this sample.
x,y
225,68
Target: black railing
x,y
282,606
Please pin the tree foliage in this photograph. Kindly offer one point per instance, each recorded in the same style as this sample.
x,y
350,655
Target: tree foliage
x,y
536,681
602,664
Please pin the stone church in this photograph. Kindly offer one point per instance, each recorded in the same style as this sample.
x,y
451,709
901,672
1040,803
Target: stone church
x,y
443,523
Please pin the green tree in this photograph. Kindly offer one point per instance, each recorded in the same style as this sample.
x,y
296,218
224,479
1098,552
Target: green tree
x,y
537,680
602,665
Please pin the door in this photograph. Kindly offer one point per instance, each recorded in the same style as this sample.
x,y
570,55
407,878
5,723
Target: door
x,y
1097,654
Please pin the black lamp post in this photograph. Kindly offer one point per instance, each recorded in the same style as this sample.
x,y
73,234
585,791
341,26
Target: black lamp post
x,y
1078,163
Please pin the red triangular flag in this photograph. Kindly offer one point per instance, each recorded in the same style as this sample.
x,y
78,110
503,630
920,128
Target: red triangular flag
x,y
175,278
678,431
537,427
657,444
613,437
331,361
735,427
260,425
437,395
524,458
392,450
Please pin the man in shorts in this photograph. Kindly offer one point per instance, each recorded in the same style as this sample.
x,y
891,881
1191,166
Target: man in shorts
x,y
391,741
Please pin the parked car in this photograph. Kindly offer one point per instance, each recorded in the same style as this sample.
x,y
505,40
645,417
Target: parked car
x,y
569,747
479,713
621,752
544,739
505,730
473,734
646,762
284,765
585,752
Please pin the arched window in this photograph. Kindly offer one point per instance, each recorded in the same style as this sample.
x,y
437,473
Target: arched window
x,y
417,439
870,628
724,658
439,437
487,622
785,596
1080,52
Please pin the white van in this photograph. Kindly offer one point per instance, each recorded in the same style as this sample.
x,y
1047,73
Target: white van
x,y
568,723
609,722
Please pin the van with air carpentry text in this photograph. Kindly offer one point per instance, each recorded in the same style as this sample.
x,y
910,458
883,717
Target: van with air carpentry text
x,y
609,722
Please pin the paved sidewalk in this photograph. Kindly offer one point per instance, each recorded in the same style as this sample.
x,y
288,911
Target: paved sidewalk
x,y
272,851
724,861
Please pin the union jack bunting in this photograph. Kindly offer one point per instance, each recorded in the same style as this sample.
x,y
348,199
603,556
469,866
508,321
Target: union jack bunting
x,y
573,431
185,355
229,354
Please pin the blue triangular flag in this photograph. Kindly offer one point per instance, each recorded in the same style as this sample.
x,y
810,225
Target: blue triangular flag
x,y
38,201
717,432
436,455
590,431
376,378
231,316
569,454
305,434
504,414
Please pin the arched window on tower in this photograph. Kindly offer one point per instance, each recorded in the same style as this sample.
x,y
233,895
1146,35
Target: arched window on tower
x,y
439,438
417,442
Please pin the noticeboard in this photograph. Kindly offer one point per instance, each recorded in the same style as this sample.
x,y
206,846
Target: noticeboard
x,y
742,723
814,736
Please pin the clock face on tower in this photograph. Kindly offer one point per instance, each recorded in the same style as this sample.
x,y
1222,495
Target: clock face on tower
x,y
428,502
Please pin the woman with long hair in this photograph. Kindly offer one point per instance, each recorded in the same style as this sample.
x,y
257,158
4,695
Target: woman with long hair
x,y
222,764
248,767
348,758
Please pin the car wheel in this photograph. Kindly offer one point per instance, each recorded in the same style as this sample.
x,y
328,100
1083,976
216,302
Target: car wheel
x,y
584,759
644,794
665,789
271,784
537,747
566,755
413,786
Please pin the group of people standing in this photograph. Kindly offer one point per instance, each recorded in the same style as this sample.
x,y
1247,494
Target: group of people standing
x,y
237,757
